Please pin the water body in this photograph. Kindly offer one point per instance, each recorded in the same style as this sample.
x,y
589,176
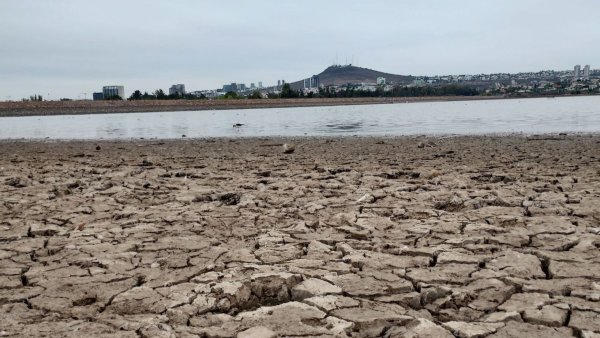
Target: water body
x,y
528,116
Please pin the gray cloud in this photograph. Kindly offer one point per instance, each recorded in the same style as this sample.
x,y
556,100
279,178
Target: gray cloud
x,y
67,47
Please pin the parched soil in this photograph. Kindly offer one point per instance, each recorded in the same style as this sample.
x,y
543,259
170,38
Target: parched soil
x,y
406,237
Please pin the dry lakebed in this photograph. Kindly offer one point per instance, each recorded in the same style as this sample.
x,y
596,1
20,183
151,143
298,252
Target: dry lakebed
x,y
473,236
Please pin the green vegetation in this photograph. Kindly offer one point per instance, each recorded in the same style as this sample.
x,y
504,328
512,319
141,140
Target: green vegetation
x,y
356,91
231,95
137,95
34,98
288,93
401,91
255,95
113,98
159,94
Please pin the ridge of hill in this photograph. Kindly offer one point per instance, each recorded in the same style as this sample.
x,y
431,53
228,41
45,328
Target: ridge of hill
x,y
340,75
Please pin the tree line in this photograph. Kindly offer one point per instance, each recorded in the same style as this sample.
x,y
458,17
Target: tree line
x,y
287,92
159,94
397,91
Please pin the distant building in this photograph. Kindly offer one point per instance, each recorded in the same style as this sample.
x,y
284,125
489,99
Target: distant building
x,y
234,87
98,96
586,72
252,86
177,89
312,82
278,83
230,88
113,91
577,72
418,82
315,81
381,81
209,94
260,85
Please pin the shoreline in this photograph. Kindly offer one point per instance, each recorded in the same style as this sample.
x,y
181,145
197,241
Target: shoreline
x,y
553,136
47,108
342,237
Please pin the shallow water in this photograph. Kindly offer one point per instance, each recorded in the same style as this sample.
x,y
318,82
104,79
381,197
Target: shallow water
x,y
529,116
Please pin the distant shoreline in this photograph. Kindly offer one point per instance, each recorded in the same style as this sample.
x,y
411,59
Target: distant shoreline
x,y
46,108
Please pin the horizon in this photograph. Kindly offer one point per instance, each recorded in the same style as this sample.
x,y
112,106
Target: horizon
x,y
88,95
68,48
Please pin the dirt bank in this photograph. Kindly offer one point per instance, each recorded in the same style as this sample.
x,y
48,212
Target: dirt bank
x,y
457,237
104,107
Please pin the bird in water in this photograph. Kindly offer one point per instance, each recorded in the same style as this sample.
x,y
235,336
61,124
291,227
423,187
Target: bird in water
x,y
237,125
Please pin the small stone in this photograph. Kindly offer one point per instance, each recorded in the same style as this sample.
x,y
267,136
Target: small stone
x,y
230,198
232,294
15,182
367,198
429,295
339,327
288,148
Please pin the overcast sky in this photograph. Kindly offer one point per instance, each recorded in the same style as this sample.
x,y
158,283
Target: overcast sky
x,y
65,48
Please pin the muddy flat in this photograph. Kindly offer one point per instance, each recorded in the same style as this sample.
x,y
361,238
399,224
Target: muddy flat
x,y
43,108
399,237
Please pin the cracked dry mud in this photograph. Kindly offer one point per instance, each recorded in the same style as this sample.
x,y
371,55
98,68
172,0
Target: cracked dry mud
x,y
407,237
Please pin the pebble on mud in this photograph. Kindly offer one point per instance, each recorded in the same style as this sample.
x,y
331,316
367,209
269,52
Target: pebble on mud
x,y
367,198
288,148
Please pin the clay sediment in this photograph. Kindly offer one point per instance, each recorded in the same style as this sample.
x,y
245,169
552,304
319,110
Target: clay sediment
x,y
451,237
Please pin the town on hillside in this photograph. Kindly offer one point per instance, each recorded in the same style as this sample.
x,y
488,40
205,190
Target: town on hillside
x,y
353,81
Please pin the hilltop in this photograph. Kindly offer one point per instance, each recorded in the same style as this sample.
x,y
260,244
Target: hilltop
x,y
340,75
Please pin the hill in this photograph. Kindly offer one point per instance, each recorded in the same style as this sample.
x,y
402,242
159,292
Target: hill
x,y
341,75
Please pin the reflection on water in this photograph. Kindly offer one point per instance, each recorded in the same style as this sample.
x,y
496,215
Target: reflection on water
x,y
567,114
345,126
